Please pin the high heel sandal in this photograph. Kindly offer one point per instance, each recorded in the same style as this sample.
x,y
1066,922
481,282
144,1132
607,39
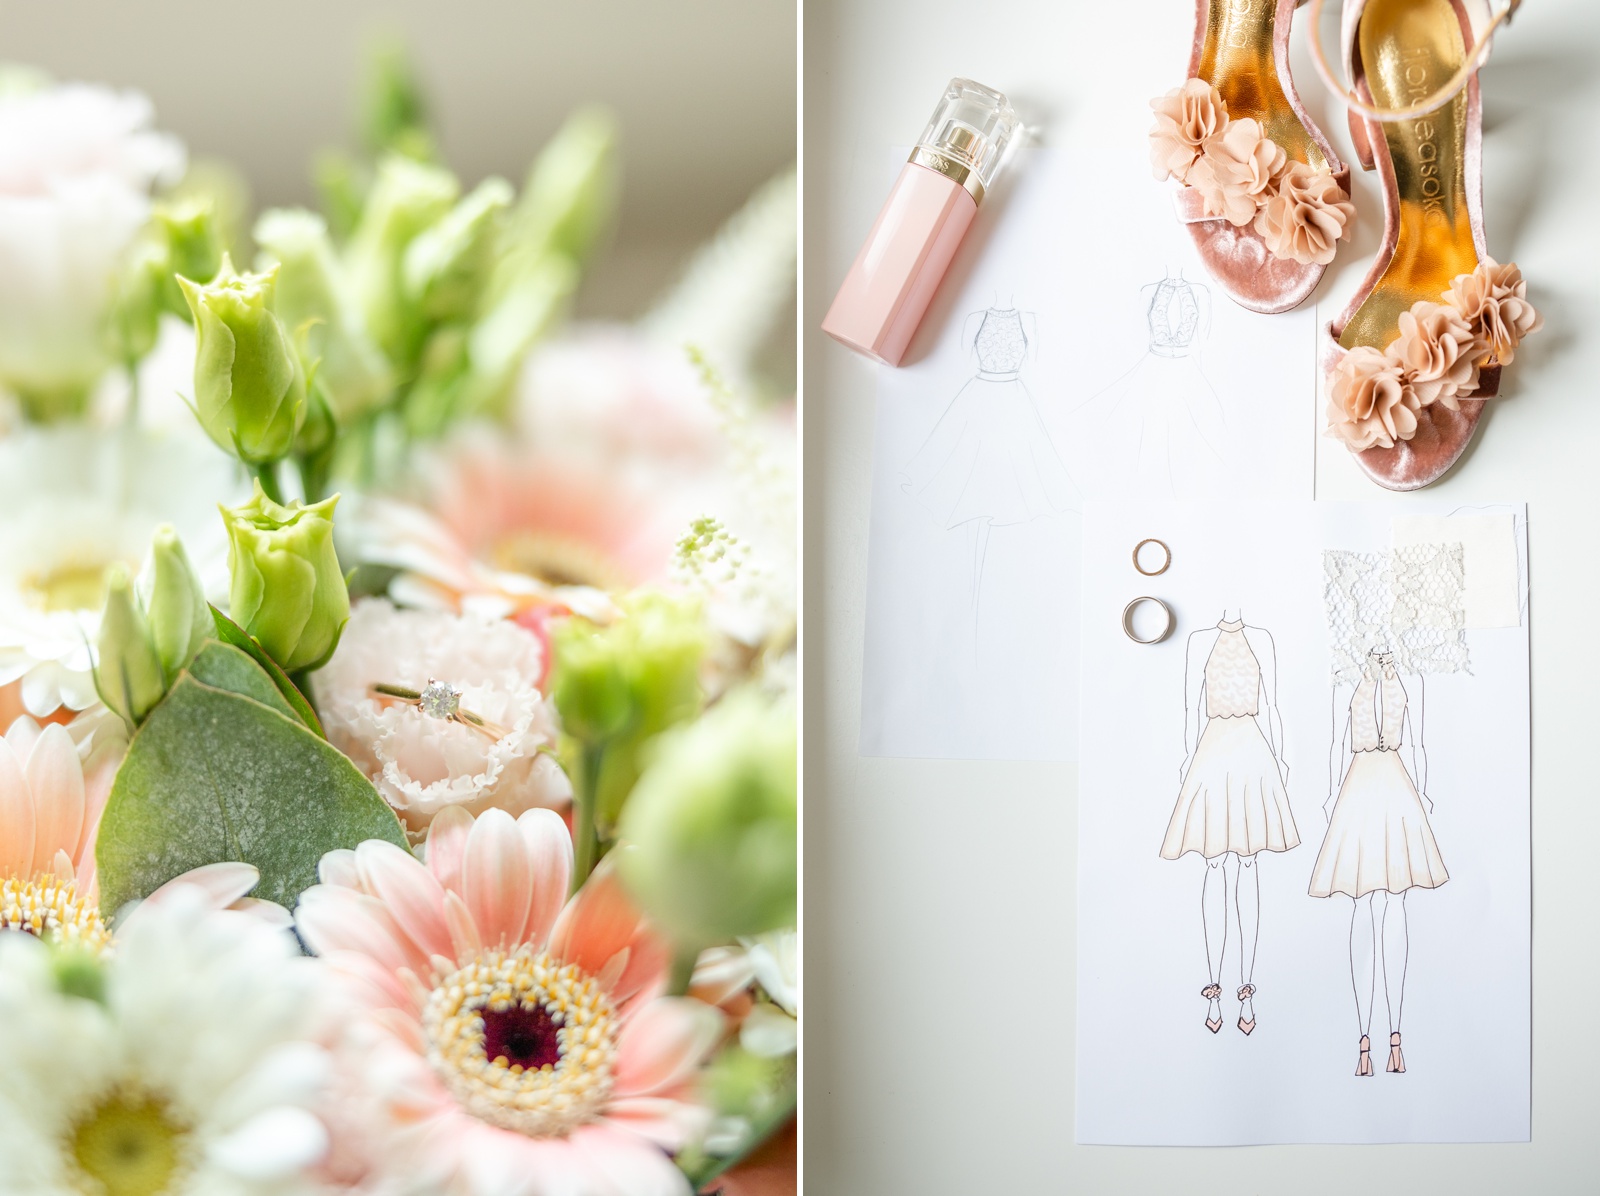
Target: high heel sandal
x,y
1246,991
1411,360
1212,992
1364,1060
1262,192
1397,1061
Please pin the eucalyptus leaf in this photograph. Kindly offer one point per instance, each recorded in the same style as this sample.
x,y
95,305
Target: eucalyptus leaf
x,y
213,775
224,667
231,633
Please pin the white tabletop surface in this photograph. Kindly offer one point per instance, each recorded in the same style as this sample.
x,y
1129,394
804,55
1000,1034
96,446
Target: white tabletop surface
x,y
940,897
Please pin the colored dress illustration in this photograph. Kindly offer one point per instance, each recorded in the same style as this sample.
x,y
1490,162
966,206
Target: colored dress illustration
x,y
990,457
1378,833
1232,797
1159,429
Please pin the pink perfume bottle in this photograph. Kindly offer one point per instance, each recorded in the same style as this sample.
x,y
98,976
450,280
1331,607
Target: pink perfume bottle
x,y
957,158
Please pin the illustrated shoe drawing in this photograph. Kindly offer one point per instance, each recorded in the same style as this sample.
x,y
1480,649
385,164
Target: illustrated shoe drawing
x,y
1411,361
1212,993
1246,992
1262,192
1364,1060
1397,1061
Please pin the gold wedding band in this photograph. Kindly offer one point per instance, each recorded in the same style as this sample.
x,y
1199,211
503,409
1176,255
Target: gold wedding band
x,y
1166,557
438,699
1127,620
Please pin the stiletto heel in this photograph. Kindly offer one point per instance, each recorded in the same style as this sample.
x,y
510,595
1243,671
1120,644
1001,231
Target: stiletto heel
x,y
1412,359
1397,1061
1364,1060
1261,190
1246,991
1212,992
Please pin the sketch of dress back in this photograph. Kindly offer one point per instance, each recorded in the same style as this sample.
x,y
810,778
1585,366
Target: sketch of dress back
x,y
990,457
1158,430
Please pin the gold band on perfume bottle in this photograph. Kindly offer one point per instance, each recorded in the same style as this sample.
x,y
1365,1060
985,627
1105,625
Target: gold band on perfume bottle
x,y
958,173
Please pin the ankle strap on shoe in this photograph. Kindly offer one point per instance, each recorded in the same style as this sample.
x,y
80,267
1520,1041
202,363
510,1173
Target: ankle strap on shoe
x,y
1437,99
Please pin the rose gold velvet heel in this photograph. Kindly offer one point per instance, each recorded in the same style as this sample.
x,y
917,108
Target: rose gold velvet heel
x,y
1364,1060
1212,992
1397,1061
1262,192
1412,358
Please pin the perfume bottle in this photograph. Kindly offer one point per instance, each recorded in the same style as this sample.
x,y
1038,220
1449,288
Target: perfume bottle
x,y
955,161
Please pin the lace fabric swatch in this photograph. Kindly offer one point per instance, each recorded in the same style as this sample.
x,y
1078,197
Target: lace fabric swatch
x,y
1410,601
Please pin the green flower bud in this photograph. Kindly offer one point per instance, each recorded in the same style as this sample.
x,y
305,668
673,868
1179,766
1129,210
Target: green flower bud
x,y
135,319
446,267
249,386
311,296
406,197
589,686
188,229
395,110
127,673
287,590
570,191
710,833
176,611
79,973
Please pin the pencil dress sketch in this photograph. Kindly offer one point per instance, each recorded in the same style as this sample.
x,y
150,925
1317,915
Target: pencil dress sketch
x,y
1233,801
1379,844
1159,430
989,461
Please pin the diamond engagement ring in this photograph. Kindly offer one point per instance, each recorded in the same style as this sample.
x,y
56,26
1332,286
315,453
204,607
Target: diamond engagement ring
x,y
437,699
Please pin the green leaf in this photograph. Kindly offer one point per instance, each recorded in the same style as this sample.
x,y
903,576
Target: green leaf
x,y
230,632
222,666
213,775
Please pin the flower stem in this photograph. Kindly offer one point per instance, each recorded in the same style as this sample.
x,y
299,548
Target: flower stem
x,y
267,475
585,840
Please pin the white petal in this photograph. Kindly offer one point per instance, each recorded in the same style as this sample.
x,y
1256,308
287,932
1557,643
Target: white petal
x,y
276,1144
770,1032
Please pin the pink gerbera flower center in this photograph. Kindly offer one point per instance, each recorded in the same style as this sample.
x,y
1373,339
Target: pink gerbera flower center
x,y
523,1042
50,908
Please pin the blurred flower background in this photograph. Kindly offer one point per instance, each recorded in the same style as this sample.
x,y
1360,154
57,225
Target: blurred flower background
x,y
398,540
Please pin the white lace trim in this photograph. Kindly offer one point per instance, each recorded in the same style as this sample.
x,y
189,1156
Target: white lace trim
x,y
1410,601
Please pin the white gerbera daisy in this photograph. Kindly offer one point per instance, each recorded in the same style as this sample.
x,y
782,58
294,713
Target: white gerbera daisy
x,y
76,501
191,1074
422,763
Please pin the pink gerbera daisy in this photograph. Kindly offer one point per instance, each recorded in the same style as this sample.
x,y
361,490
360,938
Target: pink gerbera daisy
x,y
509,1042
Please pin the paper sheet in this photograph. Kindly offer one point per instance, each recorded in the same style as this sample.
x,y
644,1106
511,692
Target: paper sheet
x,y
1493,590
1076,351
1357,766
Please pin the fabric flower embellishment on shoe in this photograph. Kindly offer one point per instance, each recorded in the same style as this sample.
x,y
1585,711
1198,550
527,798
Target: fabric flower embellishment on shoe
x,y
506,1041
1305,216
1371,401
1439,352
1237,171
1493,299
1186,118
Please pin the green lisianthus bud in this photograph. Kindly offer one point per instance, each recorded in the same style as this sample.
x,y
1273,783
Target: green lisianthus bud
x,y
176,611
127,673
249,385
311,295
406,197
589,686
135,319
447,266
394,107
570,191
188,228
287,590
710,833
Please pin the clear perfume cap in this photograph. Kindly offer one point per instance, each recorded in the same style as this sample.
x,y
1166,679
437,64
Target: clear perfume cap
x,y
971,130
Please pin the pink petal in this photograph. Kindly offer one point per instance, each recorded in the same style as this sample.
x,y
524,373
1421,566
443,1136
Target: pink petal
x,y
632,1165
374,984
600,921
55,778
97,784
500,1163
21,736
663,1043
463,930
413,896
497,879
667,1122
16,817
549,848
222,884
338,867
447,845
331,919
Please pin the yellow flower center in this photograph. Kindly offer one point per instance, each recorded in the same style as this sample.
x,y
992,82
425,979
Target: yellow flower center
x,y
50,908
130,1144
73,585
523,1043
557,560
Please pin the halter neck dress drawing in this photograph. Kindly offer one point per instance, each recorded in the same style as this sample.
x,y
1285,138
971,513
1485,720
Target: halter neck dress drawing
x,y
1233,797
1378,833
1159,429
990,456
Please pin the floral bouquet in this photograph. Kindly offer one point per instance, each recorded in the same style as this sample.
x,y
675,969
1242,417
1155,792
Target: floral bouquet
x,y
398,781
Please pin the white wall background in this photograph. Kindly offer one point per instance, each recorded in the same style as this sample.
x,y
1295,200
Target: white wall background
x,y
704,89
941,896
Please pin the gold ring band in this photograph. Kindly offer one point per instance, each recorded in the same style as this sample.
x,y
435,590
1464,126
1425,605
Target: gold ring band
x,y
1165,564
438,699
1127,620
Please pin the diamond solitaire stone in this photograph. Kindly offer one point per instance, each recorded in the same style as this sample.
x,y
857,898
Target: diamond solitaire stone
x,y
440,699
